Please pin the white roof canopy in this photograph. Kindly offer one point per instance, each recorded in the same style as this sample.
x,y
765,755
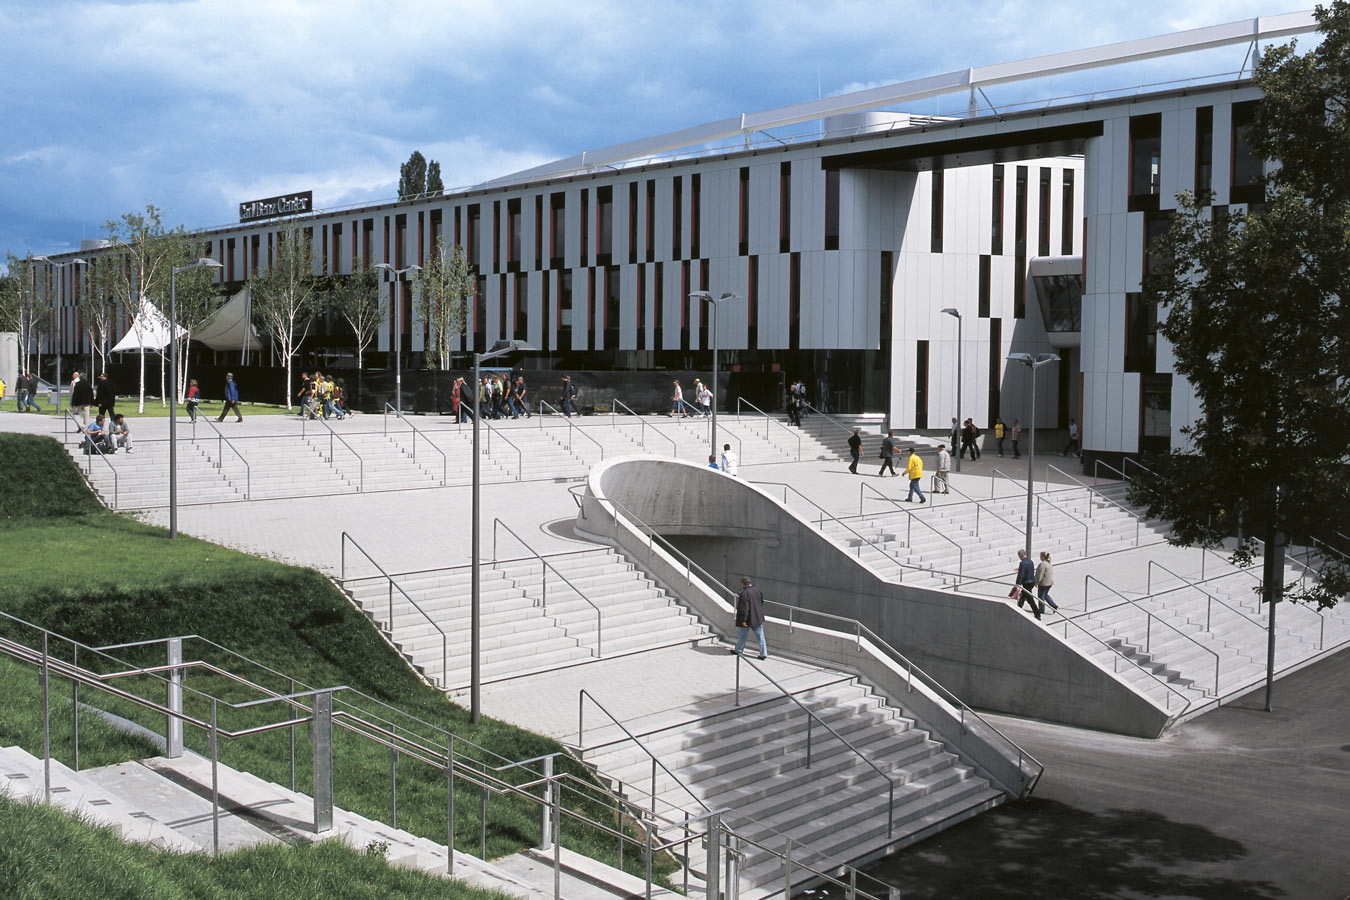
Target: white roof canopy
x,y
229,328
149,330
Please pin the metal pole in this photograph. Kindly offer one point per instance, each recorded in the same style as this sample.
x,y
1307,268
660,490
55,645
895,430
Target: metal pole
x,y
715,395
960,349
475,711
173,403
46,725
1031,455
450,805
396,306
173,728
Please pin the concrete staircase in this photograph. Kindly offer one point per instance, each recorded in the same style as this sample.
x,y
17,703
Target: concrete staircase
x,y
167,803
753,760
580,607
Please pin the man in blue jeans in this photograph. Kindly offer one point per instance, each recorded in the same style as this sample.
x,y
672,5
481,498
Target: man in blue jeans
x,y
750,617
1026,583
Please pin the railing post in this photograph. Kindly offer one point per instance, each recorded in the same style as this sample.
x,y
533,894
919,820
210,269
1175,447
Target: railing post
x,y
648,853
555,799
545,825
809,723
75,711
173,725
450,805
214,740
714,862
393,782
787,868
46,725
321,736
291,736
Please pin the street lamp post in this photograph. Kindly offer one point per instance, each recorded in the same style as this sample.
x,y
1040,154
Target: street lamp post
x,y
396,310
60,330
173,385
708,298
1032,362
956,314
501,348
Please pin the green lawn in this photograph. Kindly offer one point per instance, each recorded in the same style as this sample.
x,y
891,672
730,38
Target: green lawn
x,y
100,578
153,409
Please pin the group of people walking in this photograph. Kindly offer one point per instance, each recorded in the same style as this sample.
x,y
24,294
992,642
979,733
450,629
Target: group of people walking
x,y
498,397
25,392
1038,578
321,396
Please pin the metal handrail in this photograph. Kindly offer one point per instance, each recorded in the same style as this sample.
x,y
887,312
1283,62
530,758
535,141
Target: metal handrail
x,y
1137,517
546,565
827,418
1148,627
890,782
332,457
741,401
909,525
1186,582
820,523
223,441
1098,465
1120,654
1041,498
979,508
89,466
388,408
642,432
445,641
584,695
520,456
570,427
1131,461
693,412
859,628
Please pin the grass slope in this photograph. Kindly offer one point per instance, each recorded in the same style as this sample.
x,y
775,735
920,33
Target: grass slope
x,y
101,578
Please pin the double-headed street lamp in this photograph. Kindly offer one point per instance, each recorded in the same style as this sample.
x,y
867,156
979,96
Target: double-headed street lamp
x,y
396,310
202,263
1032,362
715,302
60,328
501,348
956,314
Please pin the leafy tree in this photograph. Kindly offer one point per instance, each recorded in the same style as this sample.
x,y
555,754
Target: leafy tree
x,y
284,296
24,304
412,176
1254,315
356,297
444,287
97,306
435,187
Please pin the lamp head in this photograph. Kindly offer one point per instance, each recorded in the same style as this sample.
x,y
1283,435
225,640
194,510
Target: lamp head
x,y
953,312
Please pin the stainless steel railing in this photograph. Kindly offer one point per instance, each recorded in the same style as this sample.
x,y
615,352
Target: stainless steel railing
x,y
388,408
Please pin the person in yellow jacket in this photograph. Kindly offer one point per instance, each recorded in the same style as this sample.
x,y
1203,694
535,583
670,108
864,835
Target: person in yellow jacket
x,y
914,472
1000,432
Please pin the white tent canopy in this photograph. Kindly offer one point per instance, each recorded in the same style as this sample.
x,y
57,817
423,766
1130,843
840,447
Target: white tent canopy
x,y
149,330
229,328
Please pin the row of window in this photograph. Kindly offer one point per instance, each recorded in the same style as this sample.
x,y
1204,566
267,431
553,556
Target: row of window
x,y
1245,168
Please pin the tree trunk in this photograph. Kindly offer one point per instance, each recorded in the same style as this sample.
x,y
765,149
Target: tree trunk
x,y
1272,590
140,403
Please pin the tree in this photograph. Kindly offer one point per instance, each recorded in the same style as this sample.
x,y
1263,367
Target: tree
x,y
97,307
24,304
444,287
435,187
1253,312
283,294
356,297
419,178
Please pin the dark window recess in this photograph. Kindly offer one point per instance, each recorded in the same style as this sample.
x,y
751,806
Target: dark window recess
x,y
337,244
743,217
1061,301
557,236
565,310
1155,226
703,279
1043,232
695,215
659,308
886,301
496,226
1141,334
548,340
1067,216
641,308
521,329
795,301
1204,149
480,313
1145,162
1020,214
832,209
1155,413
1020,287
459,240
935,219
367,233
592,340
996,214
995,368
585,236
514,240
538,234
785,207
475,235
684,306
986,263
650,254
1247,168
677,217
612,285
229,257
632,223
752,306
503,309
921,385
604,225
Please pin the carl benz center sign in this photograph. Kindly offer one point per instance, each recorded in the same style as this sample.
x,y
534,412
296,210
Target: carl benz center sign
x,y
286,205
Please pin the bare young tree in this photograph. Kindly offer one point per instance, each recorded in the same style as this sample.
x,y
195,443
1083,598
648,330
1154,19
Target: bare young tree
x,y
444,287
356,297
97,307
24,305
283,294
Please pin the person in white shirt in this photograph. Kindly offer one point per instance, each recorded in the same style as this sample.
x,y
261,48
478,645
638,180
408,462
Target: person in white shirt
x,y
944,465
729,460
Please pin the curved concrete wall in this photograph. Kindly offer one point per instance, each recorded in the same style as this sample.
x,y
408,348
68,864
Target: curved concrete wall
x,y
983,650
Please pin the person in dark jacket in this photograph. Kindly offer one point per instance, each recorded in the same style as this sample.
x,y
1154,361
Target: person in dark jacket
x,y
231,399
750,617
855,449
106,396
1026,583
888,454
81,398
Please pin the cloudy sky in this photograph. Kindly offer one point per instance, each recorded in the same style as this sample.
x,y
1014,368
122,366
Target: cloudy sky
x,y
197,105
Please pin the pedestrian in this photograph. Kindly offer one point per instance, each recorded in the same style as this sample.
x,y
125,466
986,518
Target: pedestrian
x,y
32,393
120,432
855,449
730,462
1045,580
677,401
106,395
750,617
21,392
323,390
81,398
914,471
705,399
569,400
944,466
1026,583
970,440
306,396
231,399
712,460
956,435
519,396
96,437
337,390
194,399
1072,444
1016,434
888,454
999,434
